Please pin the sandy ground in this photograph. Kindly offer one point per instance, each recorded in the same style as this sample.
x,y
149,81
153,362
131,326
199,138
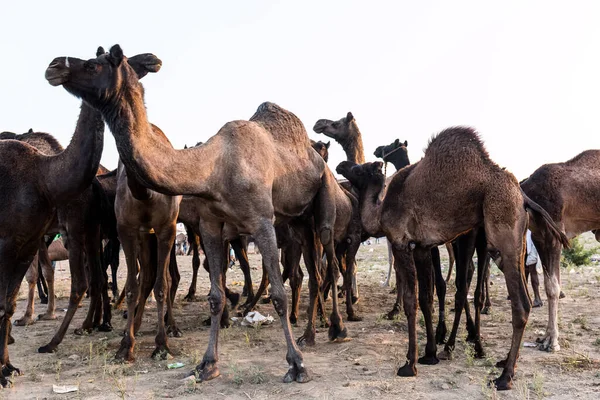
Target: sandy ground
x,y
252,360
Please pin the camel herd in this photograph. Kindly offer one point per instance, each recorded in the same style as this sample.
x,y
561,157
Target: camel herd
x,y
292,206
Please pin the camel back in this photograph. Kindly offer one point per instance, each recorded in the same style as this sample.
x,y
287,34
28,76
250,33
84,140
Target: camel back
x,y
283,125
43,142
587,159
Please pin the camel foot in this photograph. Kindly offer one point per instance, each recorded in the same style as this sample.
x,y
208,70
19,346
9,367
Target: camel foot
x,y
49,348
11,339
501,364
293,319
297,373
161,352
537,303
206,371
407,370
503,382
190,297
395,311
234,298
429,360
471,338
9,370
308,339
26,320
445,355
545,344
5,383
485,310
82,331
224,322
337,332
125,354
105,327
355,299
562,295
174,331
354,317
46,317
440,333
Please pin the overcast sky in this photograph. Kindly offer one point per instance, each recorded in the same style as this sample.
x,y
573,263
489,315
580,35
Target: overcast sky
x,y
525,74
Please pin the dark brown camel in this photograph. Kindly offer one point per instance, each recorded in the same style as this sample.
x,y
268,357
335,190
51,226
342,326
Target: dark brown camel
x,y
569,191
415,222
281,177
41,183
322,148
85,226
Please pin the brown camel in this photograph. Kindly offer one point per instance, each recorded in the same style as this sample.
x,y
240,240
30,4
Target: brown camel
x,y
415,219
322,148
344,131
140,211
81,226
568,191
43,260
268,158
32,186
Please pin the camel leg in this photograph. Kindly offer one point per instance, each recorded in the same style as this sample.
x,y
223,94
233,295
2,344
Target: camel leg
x,y
549,252
291,267
399,295
440,289
48,272
535,284
148,257
240,248
311,258
173,278
488,300
425,276
129,241
191,295
391,262
511,250
351,251
404,262
166,238
469,319
483,264
93,249
115,247
464,249
451,260
79,285
264,282
32,277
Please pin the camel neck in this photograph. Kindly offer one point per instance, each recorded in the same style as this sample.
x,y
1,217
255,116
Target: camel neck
x,y
353,146
70,172
148,155
370,205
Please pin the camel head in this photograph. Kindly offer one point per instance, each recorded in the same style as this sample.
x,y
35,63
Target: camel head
x,y
362,175
337,130
396,150
322,148
99,78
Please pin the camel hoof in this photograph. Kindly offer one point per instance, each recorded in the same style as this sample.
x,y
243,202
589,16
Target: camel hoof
x,y
161,353
234,298
485,310
445,355
501,364
25,321
5,383
11,339
174,331
82,331
503,383
124,354
392,314
46,317
9,370
47,349
306,340
293,319
206,371
298,374
191,297
354,318
562,295
471,338
440,333
537,303
337,333
429,360
105,327
407,370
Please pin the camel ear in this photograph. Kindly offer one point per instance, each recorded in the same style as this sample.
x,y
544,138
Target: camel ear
x,y
349,117
406,143
377,166
397,142
185,146
30,130
327,144
100,51
116,55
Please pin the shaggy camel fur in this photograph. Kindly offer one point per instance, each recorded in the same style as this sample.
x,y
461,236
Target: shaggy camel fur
x,y
569,191
457,158
282,177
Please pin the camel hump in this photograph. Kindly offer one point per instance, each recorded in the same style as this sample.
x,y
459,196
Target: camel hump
x,y
458,144
588,158
44,142
282,124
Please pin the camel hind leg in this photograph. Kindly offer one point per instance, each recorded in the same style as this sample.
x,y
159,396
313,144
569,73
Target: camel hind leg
x,y
32,277
46,266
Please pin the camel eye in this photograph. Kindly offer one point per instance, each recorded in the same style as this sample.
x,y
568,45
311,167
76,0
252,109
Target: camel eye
x,y
90,67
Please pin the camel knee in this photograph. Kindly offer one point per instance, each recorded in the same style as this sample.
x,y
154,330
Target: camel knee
x,y
279,300
326,235
216,300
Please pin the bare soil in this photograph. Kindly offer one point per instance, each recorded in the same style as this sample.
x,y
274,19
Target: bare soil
x,y
252,360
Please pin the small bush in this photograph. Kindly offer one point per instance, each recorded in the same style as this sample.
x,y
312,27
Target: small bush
x,y
577,255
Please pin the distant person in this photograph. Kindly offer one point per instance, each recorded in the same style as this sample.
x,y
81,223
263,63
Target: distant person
x,y
531,269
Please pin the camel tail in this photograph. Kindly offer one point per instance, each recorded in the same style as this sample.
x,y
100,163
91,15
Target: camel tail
x,y
534,208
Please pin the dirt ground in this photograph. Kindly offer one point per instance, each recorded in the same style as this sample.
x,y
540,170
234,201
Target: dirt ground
x,y
252,360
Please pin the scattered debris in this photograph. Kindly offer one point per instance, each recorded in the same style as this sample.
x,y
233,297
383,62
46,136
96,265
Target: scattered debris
x,y
254,318
529,344
61,389
175,365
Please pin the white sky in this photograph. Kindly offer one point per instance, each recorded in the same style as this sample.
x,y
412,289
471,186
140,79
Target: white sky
x,y
525,74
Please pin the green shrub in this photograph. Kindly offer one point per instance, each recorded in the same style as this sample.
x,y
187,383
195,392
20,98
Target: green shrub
x,y
577,255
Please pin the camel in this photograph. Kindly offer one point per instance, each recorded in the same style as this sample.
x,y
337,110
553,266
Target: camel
x,y
83,224
415,219
568,191
43,261
140,211
268,158
322,148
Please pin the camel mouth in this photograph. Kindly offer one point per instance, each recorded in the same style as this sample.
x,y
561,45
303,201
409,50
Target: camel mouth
x,y
56,78
320,126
